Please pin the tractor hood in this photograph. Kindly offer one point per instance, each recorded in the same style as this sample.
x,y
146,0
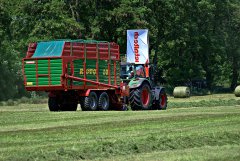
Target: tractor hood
x,y
136,82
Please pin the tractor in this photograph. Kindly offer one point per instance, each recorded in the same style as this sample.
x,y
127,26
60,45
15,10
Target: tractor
x,y
140,76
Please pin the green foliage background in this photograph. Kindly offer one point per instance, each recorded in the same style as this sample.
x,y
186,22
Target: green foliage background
x,y
197,39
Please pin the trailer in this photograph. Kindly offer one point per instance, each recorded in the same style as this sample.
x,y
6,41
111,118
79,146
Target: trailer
x,y
75,71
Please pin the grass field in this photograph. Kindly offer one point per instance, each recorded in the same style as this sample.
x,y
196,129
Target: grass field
x,y
198,128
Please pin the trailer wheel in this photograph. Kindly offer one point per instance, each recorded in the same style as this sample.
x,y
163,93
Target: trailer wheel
x,y
53,104
69,102
161,104
140,98
82,100
89,103
73,106
69,106
103,102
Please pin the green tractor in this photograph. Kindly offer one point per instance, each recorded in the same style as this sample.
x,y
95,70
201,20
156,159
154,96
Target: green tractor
x,y
144,94
140,77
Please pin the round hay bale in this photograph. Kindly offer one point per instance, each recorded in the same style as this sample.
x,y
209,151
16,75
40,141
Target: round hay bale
x,y
237,91
181,92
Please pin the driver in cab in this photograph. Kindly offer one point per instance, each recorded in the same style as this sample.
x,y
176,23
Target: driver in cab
x,y
139,71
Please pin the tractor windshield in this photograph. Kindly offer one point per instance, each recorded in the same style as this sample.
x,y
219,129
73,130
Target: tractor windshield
x,y
130,71
127,71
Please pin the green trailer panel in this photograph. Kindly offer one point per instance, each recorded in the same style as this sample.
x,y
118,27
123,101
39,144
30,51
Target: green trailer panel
x,y
49,72
78,71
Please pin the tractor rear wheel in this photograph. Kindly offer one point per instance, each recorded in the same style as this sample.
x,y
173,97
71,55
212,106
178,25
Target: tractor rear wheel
x,y
161,104
90,102
53,104
140,98
103,102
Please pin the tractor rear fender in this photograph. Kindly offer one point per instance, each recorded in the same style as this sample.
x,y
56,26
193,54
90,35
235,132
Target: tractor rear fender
x,y
135,83
156,91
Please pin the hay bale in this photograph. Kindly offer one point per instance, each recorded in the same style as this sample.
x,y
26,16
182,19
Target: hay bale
x,y
181,92
237,91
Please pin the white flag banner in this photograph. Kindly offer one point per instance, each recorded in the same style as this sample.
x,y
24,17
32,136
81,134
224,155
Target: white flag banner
x,y
137,46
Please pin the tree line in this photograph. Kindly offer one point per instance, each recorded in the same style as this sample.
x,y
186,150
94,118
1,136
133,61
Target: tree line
x,y
197,39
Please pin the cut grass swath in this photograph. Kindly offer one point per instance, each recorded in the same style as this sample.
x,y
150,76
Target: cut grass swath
x,y
210,132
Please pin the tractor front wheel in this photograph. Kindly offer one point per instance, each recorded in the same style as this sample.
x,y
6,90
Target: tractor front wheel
x,y
161,104
140,98
163,100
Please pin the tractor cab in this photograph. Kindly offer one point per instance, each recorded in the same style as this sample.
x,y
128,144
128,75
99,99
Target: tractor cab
x,y
129,71
144,95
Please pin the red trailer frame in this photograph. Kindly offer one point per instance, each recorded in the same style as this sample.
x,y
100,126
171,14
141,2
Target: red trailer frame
x,y
78,50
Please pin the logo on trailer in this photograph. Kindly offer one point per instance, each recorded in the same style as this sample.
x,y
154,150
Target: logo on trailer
x,y
136,47
30,62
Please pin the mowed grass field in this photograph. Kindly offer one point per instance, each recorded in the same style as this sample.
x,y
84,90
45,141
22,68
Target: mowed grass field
x,y
197,128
